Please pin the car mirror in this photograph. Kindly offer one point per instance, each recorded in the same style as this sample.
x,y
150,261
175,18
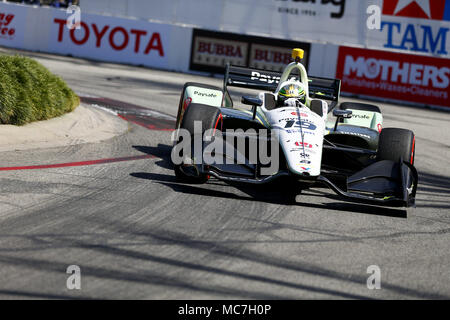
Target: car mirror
x,y
339,114
342,113
252,101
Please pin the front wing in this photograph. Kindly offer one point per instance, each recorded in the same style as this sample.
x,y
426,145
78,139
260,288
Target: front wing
x,y
385,183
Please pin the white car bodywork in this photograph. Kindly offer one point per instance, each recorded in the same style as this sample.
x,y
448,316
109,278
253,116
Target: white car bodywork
x,y
299,130
300,134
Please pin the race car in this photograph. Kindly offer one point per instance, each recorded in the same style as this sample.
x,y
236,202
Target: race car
x,y
314,140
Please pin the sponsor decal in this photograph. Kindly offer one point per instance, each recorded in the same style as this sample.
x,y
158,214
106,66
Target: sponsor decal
x,y
258,76
416,25
359,116
288,119
206,95
355,134
186,103
303,150
379,127
313,8
305,168
306,125
301,131
310,151
305,155
304,144
397,76
305,162
301,114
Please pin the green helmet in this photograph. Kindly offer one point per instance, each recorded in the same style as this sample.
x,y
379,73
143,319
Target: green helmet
x,y
291,90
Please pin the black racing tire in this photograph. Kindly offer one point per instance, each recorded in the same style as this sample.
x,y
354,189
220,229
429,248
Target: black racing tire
x,y
396,143
209,116
360,106
182,96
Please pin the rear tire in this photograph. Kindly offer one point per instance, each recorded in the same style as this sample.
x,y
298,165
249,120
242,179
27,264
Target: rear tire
x,y
396,143
209,117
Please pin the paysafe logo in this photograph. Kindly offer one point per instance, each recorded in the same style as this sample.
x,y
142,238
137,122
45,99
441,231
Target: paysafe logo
x,y
397,20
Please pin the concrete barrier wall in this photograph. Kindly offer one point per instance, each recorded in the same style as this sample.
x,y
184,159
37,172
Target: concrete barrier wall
x,y
420,27
398,76
103,38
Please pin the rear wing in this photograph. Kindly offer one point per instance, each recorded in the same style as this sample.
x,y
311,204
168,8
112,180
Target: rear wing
x,y
319,88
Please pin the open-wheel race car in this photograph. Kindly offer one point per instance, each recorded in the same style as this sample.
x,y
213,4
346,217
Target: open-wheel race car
x,y
323,143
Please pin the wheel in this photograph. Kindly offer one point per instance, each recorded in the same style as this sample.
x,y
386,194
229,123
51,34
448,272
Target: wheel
x,y
360,106
396,143
210,118
208,115
185,100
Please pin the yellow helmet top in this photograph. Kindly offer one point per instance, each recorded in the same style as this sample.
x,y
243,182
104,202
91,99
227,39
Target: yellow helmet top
x,y
298,53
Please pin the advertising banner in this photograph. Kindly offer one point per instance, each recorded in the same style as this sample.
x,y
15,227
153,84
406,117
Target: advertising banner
x,y
273,58
214,52
111,39
12,25
321,20
414,26
211,51
388,75
421,27
303,20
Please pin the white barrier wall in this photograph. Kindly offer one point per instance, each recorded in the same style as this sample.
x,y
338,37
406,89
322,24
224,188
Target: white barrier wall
x,y
408,26
112,39
399,75
12,25
102,38
404,55
320,20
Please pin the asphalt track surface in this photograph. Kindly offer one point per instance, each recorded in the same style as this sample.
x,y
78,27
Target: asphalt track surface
x,y
115,210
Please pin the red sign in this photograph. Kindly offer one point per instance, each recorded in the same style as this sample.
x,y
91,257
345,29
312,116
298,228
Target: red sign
x,y
111,39
99,33
396,76
424,9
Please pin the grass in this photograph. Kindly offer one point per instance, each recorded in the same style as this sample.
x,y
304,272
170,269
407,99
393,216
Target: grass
x,y
29,92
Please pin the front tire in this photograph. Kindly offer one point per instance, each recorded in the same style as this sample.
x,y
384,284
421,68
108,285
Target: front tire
x,y
395,144
210,118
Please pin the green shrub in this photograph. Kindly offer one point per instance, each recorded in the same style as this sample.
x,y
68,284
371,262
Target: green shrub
x,y
29,92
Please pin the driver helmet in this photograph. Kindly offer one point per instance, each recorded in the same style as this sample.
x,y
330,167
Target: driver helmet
x,y
291,90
